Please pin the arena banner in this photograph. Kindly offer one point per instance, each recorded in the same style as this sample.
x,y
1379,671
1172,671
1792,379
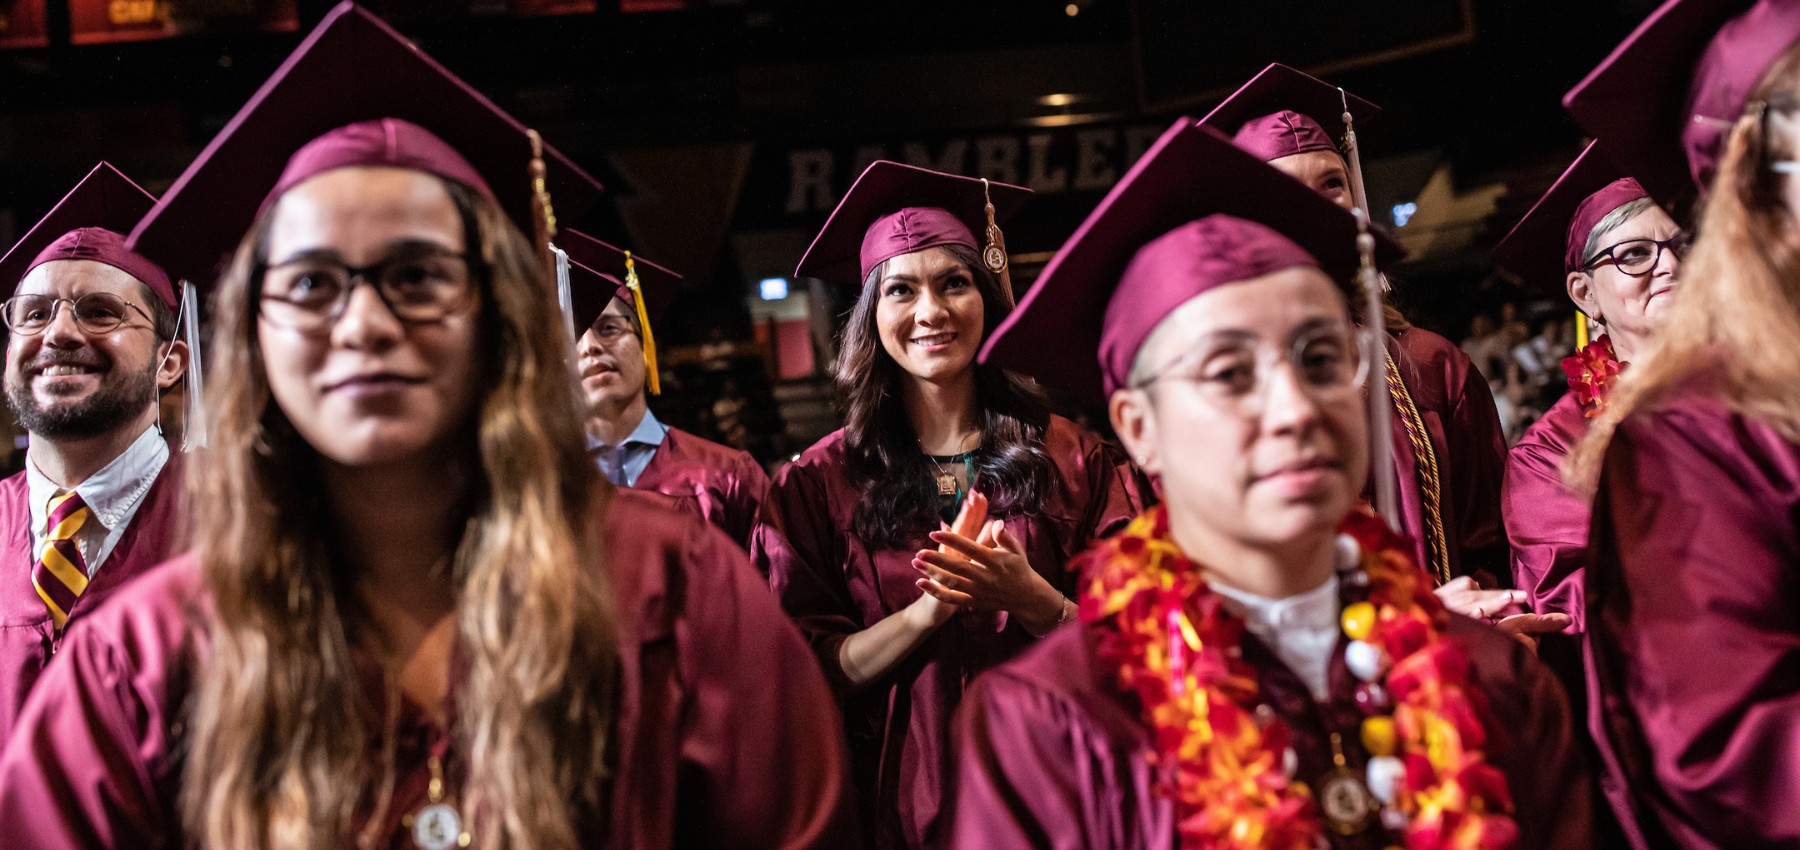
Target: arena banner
x,y
22,24
107,21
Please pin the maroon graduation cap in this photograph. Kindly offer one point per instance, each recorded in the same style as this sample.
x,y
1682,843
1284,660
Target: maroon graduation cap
x,y
355,92
89,223
895,209
1194,212
1547,243
603,279
1662,104
1282,112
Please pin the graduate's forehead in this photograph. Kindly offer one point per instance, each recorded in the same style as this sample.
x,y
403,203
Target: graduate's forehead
x,y
353,211
67,278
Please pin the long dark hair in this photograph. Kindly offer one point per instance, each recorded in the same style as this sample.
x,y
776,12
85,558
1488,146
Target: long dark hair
x,y
280,755
882,456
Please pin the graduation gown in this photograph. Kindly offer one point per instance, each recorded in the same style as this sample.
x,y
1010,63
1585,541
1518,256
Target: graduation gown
x,y
1459,416
1050,753
834,586
721,484
27,637
725,734
1693,597
1546,521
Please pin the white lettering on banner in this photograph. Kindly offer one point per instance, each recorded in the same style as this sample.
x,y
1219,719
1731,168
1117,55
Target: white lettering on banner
x,y
1090,161
997,158
1045,180
810,177
949,162
1093,159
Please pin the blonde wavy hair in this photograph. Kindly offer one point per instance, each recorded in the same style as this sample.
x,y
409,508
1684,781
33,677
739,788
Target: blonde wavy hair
x,y
1736,313
280,754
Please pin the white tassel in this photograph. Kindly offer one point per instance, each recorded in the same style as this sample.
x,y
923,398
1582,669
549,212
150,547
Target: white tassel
x,y
564,298
194,433
1381,403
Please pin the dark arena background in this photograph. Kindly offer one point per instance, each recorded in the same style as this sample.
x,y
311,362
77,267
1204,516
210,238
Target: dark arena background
x,y
727,131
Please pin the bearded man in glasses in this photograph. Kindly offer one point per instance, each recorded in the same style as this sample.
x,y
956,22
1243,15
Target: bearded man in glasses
x,y
90,348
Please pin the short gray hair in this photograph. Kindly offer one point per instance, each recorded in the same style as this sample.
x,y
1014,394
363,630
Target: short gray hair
x,y
1611,221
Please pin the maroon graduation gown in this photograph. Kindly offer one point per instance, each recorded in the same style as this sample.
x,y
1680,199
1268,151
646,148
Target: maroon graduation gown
x,y
1546,521
1050,753
725,737
834,586
1693,596
27,638
716,482
1459,415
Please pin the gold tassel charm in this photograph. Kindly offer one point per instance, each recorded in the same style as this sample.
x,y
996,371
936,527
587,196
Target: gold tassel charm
x,y
643,314
543,216
994,255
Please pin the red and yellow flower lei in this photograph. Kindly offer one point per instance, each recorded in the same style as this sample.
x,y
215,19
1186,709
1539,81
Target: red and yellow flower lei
x,y
1592,373
1178,650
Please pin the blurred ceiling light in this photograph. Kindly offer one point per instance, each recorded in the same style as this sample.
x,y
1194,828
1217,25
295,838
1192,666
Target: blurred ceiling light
x,y
1058,99
1071,10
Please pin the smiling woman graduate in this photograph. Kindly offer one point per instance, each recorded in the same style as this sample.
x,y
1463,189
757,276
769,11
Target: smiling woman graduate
x,y
1258,663
898,625
417,616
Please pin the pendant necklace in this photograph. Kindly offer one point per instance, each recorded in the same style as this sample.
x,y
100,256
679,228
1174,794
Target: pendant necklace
x,y
1346,802
946,480
437,826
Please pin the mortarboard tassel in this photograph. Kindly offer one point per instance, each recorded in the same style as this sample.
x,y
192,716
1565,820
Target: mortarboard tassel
x,y
1359,195
994,255
543,217
1581,332
1381,406
565,298
637,298
193,434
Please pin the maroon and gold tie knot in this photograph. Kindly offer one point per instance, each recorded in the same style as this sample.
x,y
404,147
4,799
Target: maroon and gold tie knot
x,y
61,574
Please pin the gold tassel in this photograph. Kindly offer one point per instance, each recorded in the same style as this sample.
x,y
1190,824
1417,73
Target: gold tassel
x,y
637,297
994,255
543,217
1580,330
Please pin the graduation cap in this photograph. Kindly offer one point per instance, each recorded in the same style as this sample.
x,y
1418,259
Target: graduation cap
x,y
600,272
1283,112
355,92
1547,243
1194,212
89,223
895,209
1663,102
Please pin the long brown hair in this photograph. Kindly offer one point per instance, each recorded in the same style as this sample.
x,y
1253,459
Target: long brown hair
x,y
1737,311
280,754
882,457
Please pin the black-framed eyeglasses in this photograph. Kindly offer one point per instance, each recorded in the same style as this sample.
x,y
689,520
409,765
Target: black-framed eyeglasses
x,y
418,284
95,312
1638,257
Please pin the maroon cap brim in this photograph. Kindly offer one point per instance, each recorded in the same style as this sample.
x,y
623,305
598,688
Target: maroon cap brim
x,y
1280,87
1191,172
104,198
886,188
352,67
1536,250
603,279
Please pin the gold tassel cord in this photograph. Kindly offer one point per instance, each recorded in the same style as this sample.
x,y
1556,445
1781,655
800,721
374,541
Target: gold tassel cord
x,y
1581,333
1430,484
643,314
543,216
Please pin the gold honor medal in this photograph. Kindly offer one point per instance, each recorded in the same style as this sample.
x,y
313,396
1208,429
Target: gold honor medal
x,y
1343,798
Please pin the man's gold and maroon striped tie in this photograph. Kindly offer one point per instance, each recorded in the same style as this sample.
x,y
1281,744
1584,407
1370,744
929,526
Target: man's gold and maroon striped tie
x,y
61,575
